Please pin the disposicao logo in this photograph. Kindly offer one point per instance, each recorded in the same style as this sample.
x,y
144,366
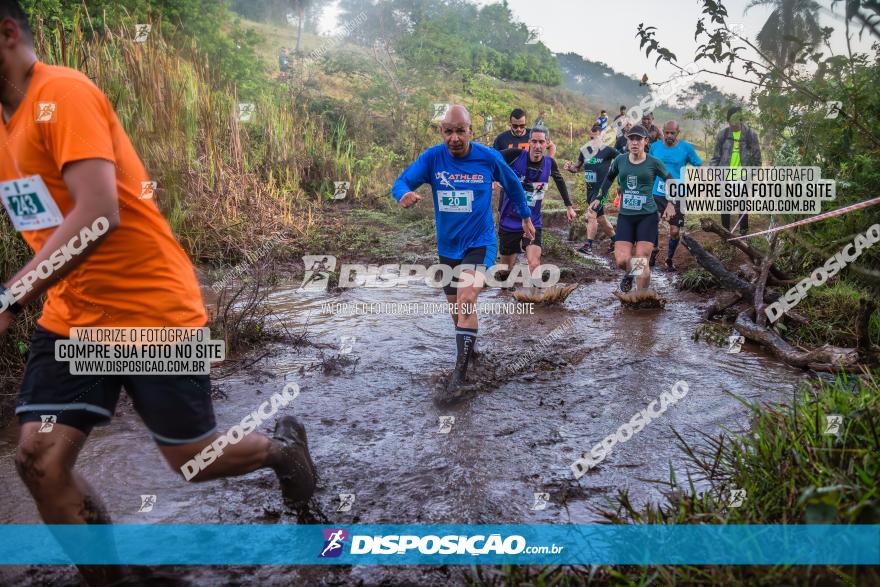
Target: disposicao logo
x,y
334,540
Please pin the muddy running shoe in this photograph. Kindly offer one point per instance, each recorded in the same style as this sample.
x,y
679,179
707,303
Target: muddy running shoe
x,y
454,391
475,356
586,249
295,470
670,266
653,260
626,283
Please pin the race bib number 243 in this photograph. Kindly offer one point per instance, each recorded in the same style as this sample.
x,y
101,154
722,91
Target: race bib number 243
x,y
29,204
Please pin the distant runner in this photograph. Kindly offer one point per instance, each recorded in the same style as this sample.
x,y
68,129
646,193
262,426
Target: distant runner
x,y
595,158
602,120
619,121
80,169
518,135
461,173
620,145
534,170
675,153
654,133
637,222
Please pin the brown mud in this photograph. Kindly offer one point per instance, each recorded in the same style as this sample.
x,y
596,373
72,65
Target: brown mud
x,y
548,386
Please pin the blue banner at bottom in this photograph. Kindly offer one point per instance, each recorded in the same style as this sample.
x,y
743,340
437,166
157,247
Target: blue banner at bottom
x,y
440,544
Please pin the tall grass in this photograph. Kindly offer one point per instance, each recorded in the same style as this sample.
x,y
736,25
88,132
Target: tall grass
x,y
225,185
793,472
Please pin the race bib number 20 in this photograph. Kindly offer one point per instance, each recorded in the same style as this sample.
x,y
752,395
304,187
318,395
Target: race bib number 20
x,y
455,200
29,204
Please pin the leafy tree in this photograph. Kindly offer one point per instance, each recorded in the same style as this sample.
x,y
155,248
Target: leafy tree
x,y
792,26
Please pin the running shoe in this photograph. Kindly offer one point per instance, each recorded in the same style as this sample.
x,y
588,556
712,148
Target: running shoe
x,y
454,391
296,471
626,283
586,248
670,266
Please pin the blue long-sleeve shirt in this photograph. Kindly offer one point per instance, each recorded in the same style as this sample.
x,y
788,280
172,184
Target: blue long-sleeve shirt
x,y
462,193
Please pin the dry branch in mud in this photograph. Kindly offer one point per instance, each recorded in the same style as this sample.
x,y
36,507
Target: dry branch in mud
x,y
754,255
826,358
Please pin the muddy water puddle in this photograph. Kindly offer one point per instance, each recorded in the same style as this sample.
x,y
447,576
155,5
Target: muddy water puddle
x,y
375,433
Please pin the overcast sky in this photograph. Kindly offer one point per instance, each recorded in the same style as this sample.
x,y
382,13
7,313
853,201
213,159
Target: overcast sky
x,y
605,30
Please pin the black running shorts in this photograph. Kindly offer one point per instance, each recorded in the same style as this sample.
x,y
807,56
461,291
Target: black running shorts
x,y
176,409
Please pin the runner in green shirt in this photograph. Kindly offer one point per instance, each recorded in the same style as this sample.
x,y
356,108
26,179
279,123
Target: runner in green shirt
x,y
641,178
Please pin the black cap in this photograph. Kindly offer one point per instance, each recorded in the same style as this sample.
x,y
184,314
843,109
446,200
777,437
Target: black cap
x,y
596,127
638,130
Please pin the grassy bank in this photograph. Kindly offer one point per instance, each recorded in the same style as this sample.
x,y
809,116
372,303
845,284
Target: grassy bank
x,y
793,472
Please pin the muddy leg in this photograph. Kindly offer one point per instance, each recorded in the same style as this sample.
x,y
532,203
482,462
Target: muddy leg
x,y
643,249
45,462
533,255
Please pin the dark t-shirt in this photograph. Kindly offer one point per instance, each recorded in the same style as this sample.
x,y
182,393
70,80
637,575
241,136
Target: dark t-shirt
x,y
508,140
596,167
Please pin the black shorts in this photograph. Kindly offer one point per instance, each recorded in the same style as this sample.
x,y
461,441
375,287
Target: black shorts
x,y
637,228
593,194
479,256
678,219
176,409
513,242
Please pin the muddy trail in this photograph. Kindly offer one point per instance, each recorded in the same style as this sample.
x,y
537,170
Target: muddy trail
x,y
367,383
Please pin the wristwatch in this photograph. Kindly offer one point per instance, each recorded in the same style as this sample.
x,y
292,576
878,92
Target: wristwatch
x,y
14,307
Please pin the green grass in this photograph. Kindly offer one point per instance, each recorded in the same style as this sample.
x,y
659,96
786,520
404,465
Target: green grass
x,y
792,472
696,279
831,311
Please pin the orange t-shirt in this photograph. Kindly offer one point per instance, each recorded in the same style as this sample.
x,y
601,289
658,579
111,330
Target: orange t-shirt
x,y
139,275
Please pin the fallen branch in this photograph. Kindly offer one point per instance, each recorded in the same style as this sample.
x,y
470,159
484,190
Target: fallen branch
x,y
754,255
825,358
727,279
766,264
720,304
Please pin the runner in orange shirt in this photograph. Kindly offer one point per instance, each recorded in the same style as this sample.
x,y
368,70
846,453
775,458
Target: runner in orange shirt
x,y
76,190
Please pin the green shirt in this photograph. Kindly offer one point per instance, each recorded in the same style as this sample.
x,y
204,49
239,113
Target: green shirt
x,y
637,183
734,154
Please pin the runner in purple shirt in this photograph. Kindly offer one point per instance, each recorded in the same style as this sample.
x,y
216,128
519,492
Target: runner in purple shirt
x,y
534,170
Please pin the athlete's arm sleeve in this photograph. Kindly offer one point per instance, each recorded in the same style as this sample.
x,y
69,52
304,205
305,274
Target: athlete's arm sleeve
x,y
560,183
415,175
513,189
81,129
510,155
693,158
609,179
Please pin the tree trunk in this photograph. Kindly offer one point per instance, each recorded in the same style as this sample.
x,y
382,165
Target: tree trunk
x,y
299,26
826,358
